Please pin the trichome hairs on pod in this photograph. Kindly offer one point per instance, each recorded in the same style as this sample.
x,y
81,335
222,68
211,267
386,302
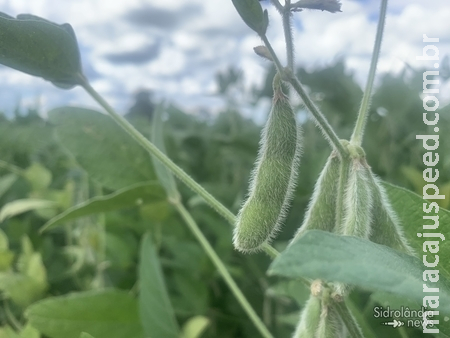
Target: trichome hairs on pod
x,y
273,179
386,226
358,201
321,211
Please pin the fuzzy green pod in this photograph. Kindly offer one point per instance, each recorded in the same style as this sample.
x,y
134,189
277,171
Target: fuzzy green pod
x,y
273,179
309,318
321,212
386,226
331,324
358,201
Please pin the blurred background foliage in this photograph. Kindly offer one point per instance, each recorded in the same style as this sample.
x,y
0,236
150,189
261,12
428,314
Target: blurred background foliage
x,y
53,164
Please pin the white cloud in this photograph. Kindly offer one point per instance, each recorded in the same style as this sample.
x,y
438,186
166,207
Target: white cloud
x,y
209,38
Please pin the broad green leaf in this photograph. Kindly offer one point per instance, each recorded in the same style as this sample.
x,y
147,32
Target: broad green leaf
x,y
195,327
20,288
38,176
164,175
409,207
252,14
6,182
138,194
85,335
109,155
18,207
41,48
355,261
104,314
8,332
157,315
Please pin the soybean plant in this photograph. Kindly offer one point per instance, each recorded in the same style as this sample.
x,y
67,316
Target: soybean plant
x,y
348,199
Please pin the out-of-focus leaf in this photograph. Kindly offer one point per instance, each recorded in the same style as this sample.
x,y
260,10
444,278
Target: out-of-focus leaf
x,y
102,148
195,327
41,48
18,207
85,335
327,256
38,176
106,313
138,194
157,315
6,182
29,332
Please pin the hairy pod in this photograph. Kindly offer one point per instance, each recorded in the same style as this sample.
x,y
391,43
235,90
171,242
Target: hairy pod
x,y
358,201
386,226
273,179
331,324
321,212
309,318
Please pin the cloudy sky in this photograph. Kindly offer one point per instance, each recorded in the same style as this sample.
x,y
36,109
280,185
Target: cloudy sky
x,y
175,47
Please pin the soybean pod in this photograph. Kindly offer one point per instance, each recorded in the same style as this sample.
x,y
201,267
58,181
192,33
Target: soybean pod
x,y
273,178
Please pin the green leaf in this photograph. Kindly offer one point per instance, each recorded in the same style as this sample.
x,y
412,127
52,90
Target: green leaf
x,y
22,289
104,314
38,176
164,175
355,261
18,207
195,327
157,315
41,48
85,335
135,195
409,208
29,332
102,148
252,14
6,182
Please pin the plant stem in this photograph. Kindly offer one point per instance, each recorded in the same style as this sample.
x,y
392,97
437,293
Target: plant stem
x,y
352,326
12,168
288,34
152,149
277,5
320,119
358,132
222,270
177,171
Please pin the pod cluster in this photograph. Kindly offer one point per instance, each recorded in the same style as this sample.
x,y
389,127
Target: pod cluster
x,y
320,318
350,200
273,178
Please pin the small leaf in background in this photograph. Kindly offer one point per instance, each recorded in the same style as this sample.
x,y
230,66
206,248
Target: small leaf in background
x,y
104,314
327,256
18,207
195,327
252,14
41,48
164,175
156,312
38,176
138,194
409,208
6,256
6,182
108,154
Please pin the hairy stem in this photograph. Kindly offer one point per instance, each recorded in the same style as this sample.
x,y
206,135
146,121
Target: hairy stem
x,y
277,5
288,34
222,270
358,132
343,178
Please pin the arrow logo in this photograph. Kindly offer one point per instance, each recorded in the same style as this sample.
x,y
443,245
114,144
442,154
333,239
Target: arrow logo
x,y
396,323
